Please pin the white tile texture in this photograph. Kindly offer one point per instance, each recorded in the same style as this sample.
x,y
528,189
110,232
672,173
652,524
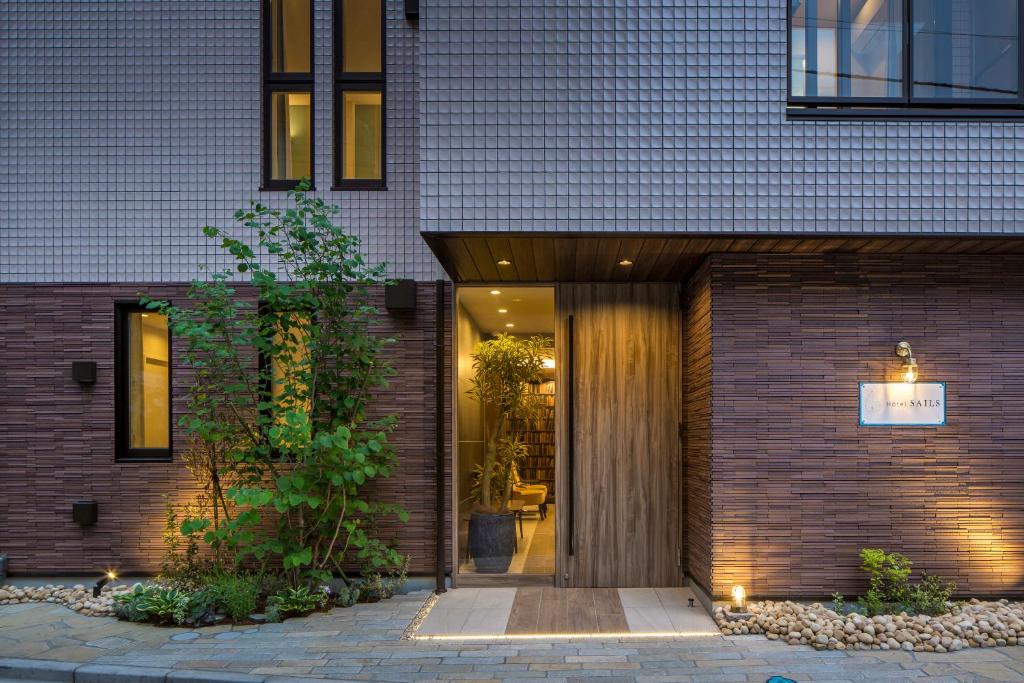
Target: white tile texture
x,y
670,116
127,126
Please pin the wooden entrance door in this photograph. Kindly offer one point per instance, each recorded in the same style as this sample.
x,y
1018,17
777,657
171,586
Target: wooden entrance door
x,y
619,485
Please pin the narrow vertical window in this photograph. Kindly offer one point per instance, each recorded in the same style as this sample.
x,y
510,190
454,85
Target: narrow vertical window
x,y
359,95
142,378
287,92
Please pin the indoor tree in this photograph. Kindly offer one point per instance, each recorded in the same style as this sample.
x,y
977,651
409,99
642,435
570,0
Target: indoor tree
x,y
503,366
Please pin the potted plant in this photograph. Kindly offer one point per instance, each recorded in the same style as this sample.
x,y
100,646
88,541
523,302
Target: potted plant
x,y
503,367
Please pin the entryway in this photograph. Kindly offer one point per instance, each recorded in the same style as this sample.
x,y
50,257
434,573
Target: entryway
x,y
546,612
604,448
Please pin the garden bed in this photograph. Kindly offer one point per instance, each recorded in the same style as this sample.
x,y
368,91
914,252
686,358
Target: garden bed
x,y
974,623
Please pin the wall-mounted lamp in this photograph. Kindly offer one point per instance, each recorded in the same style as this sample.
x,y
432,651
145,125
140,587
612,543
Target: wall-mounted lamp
x,y
909,363
111,575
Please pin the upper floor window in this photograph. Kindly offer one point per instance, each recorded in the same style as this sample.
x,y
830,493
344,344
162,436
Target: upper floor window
x,y
359,95
893,53
142,384
287,92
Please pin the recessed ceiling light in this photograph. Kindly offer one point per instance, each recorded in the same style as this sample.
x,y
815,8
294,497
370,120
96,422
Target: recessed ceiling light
x,y
495,291
515,301
504,262
625,262
502,310
510,324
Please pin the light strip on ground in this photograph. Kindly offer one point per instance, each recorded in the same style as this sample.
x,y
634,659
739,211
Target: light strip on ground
x,y
569,636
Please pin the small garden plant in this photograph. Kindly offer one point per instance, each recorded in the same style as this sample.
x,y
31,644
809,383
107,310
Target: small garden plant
x,y
891,591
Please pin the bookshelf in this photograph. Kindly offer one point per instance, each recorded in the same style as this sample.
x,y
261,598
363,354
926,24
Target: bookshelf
x,y
538,433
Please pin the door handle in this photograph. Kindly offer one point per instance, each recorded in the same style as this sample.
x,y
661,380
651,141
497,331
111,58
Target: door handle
x,y
570,455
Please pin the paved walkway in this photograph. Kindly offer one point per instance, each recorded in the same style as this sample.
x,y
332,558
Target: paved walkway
x,y
489,612
364,643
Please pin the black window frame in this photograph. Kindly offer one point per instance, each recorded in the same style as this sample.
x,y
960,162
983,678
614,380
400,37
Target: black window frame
x,y
906,106
287,81
354,81
123,452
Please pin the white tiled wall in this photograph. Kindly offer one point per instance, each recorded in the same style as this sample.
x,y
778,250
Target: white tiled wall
x,y
127,126
670,116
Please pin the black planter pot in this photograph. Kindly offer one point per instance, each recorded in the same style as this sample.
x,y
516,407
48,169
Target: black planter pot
x,y
492,541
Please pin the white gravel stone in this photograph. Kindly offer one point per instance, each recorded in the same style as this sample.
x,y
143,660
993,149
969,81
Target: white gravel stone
x,y
78,598
968,624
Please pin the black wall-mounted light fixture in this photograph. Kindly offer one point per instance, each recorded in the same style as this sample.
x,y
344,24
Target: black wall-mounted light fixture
x,y
400,295
909,362
84,512
83,371
412,9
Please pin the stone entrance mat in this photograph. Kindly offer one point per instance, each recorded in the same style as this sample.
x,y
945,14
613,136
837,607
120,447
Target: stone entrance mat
x,y
520,613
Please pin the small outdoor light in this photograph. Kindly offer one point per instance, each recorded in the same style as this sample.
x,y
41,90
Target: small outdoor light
x,y
107,578
909,363
504,262
739,598
625,262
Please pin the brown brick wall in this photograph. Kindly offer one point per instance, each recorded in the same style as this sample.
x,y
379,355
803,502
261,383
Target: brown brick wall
x,y
57,437
799,488
697,419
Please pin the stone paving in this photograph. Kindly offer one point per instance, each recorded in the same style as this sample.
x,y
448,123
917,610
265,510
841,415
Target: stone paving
x,y
364,643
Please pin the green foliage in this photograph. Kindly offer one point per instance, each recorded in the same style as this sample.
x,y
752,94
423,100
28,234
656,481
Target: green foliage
x,y
297,601
890,589
182,566
236,594
347,596
511,451
290,464
502,368
153,603
383,584
838,603
931,595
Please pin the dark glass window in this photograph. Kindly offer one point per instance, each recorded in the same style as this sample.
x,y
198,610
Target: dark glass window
x,y
965,49
359,95
893,53
142,384
847,48
287,92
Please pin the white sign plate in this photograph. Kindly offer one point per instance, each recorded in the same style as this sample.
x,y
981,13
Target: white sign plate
x,y
921,404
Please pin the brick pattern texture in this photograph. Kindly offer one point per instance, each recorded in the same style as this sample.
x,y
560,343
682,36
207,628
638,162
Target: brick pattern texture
x,y
798,487
57,437
697,422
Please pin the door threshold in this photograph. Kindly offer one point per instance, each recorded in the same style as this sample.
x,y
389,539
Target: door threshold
x,y
503,580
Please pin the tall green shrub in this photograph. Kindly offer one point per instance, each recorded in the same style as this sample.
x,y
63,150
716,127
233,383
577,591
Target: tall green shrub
x,y
281,392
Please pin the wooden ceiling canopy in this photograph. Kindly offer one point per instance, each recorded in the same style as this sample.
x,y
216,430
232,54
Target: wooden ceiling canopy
x,y
595,257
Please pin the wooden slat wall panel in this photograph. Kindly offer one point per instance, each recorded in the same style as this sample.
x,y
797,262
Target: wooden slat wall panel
x,y
594,257
798,487
56,437
696,403
627,393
